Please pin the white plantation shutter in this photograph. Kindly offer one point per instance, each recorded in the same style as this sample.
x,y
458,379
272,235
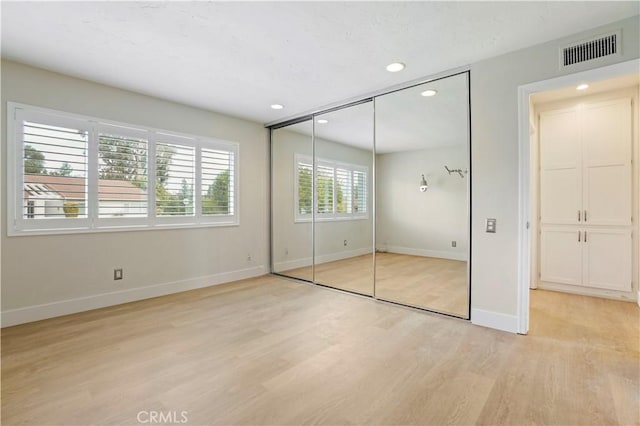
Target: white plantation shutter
x,y
54,171
324,189
343,191
340,189
72,173
122,175
175,179
218,182
359,192
304,175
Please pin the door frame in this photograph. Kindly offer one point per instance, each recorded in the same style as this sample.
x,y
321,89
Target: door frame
x,y
525,176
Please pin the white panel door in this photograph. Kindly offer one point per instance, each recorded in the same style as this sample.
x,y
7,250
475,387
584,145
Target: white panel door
x,y
607,259
607,199
607,141
560,196
561,255
560,167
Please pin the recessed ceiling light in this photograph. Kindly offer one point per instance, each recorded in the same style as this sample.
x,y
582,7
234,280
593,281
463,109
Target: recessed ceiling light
x,y
323,121
429,92
582,87
277,106
395,67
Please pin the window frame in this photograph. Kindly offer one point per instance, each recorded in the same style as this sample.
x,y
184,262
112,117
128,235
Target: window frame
x,y
17,225
334,216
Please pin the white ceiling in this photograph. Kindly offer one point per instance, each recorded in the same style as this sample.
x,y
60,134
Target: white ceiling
x,y
404,120
240,57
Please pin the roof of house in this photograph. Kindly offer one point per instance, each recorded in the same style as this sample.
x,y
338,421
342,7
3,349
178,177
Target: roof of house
x,y
73,188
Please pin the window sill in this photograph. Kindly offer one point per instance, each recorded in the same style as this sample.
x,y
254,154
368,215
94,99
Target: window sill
x,y
331,219
121,228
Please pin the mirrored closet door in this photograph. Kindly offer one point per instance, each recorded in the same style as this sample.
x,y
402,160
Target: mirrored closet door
x,y
291,200
395,166
343,220
422,196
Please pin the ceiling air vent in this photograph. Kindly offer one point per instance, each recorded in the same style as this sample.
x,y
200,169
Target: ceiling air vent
x,y
588,50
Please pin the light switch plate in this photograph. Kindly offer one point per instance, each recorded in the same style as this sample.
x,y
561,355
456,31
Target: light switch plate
x,y
491,226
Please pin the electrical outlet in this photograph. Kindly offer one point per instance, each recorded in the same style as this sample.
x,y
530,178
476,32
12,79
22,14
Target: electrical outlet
x,y
345,243
454,243
249,257
491,226
118,274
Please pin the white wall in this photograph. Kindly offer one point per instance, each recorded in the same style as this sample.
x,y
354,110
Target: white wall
x,y
292,244
494,106
412,222
65,273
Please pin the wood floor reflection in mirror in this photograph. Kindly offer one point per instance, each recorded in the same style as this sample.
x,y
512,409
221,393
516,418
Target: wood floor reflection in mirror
x,y
354,274
439,284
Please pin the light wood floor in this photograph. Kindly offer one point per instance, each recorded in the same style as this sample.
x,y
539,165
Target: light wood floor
x,y
426,282
272,351
352,274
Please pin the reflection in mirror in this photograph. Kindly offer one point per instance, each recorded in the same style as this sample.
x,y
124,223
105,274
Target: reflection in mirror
x,y
344,221
292,243
422,196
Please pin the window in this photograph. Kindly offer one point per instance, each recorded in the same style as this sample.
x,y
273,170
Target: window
x,y
81,174
175,179
324,190
217,175
341,189
359,191
305,188
31,209
54,169
122,174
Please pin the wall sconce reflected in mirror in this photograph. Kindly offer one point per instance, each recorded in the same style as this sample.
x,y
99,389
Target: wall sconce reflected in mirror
x,y
423,184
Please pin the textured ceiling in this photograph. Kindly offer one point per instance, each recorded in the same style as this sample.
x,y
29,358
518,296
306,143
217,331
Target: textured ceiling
x,y
240,57
404,120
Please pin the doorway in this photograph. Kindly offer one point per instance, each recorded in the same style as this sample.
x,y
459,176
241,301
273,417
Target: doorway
x,y
606,83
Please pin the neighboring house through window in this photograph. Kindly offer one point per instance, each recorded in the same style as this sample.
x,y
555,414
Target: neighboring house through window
x,y
53,196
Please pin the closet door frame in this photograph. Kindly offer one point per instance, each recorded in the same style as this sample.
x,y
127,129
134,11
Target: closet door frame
x,y
356,101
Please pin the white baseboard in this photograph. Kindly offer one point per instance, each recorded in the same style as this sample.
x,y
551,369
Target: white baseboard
x,y
495,320
441,254
331,257
292,264
81,304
